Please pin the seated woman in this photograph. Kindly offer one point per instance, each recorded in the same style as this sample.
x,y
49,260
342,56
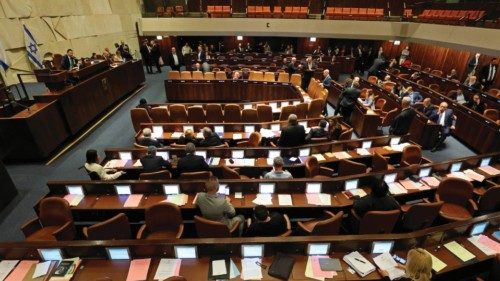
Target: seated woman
x,y
92,165
369,100
418,267
334,129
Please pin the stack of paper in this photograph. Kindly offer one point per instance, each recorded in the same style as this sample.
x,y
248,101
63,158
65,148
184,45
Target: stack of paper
x,y
341,155
399,147
43,268
236,162
285,199
363,151
485,249
430,181
249,162
319,156
490,170
73,200
473,175
177,199
409,184
215,161
176,135
263,199
250,270
21,270
115,163
219,267
359,263
313,269
237,136
199,135
6,266
320,199
459,175
437,264
270,161
266,133
386,262
459,251
397,188
138,269
137,164
133,200
488,242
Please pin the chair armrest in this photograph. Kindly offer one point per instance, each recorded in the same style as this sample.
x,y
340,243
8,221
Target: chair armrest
x,y
405,207
472,205
288,223
236,169
31,227
66,232
425,160
141,234
180,232
436,196
234,228
405,164
325,171
272,144
249,222
303,228
426,200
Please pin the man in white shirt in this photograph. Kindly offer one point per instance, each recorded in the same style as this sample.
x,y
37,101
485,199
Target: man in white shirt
x,y
444,117
174,60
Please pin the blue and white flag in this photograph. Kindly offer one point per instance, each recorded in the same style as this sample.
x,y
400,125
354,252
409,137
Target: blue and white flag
x,y
4,63
32,48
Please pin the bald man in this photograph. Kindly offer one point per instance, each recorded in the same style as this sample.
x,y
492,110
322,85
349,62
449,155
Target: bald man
x,y
444,117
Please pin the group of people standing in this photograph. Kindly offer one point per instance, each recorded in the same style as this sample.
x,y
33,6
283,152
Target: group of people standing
x,y
151,55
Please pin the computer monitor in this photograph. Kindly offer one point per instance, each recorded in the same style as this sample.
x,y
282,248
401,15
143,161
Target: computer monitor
x,y
123,189
157,130
380,247
275,127
219,129
313,187
305,151
303,123
164,154
485,161
316,249
295,102
395,141
118,253
366,144
266,187
125,155
169,189
75,189
249,128
351,184
424,172
186,127
185,252
238,154
479,228
390,178
273,153
247,106
455,167
252,251
273,104
50,254
223,189
202,153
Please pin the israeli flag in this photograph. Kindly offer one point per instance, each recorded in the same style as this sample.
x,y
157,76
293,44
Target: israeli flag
x,y
4,63
32,48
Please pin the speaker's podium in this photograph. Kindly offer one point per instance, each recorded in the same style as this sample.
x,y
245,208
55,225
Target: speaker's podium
x,y
55,80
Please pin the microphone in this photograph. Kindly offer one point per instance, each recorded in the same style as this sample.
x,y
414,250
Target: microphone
x,y
15,103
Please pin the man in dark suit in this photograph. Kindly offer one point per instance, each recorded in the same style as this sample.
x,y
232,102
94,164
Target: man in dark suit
x,y
147,140
472,64
146,56
444,117
68,60
202,55
293,134
428,108
318,132
174,60
152,163
378,200
308,67
191,162
488,73
155,55
209,138
402,122
291,67
476,104
347,100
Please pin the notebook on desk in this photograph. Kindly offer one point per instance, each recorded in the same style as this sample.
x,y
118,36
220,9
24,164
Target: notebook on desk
x,y
359,263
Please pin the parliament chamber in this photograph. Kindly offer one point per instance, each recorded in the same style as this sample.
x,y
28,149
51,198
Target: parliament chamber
x,y
250,140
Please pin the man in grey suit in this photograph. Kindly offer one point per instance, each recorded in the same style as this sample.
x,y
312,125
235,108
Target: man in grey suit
x,y
444,117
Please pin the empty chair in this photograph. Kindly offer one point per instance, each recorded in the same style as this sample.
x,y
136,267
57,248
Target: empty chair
x,y
301,110
376,222
491,113
174,74
457,197
186,75
434,87
213,229
315,108
380,104
253,140
283,77
196,114
490,200
232,113
412,154
138,116
296,79
346,135
198,75
265,113
54,222
209,75
436,72
348,167
229,173
380,163
160,114
220,75
214,113
314,170
117,227
256,76
269,76
420,216
286,111
160,175
195,175
178,113
158,225
249,115
330,225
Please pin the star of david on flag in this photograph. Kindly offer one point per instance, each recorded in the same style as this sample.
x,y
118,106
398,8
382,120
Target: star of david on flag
x,y
32,48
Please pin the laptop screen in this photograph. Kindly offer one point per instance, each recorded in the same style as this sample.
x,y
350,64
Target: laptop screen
x,y
313,187
248,251
171,189
123,189
380,247
266,187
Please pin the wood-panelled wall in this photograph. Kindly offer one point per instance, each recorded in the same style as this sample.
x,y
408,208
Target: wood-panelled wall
x,y
440,58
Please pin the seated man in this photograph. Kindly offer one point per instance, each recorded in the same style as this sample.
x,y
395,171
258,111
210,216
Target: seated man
x,y
378,200
265,224
143,103
444,117
428,108
214,208
147,140
318,132
476,104
210,139
293,134
278,172
152,163
187,137
191,162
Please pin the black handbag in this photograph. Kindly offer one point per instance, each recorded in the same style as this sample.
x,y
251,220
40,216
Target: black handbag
x,y
281,267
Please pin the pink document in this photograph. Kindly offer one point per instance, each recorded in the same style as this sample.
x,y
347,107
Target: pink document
x,y
489,170
20,271
317,268
177,267
138,270
488,242
313,199
431,181
133,200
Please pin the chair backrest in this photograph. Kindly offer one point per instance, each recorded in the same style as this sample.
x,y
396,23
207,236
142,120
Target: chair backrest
x,y
348,167
380,103
176,278
228,173
455,191
491,113
347,135
196,114
269,76
412,154
163,216
265,113
421,215
311,166
490,200
296,79
174,74
286,111
232,113
249,115
329,226
283,77
178,113
117,227
195,175
160,114
54,211
160,175
198,75
210,229
220,75
389,117
316,107
138,116
437,72
209,75
434,87
214,113
379,163
301,110
186,75
378,222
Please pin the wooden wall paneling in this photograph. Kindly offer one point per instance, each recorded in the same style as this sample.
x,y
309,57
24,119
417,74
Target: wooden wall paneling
x,y
194,6
316,6
239,6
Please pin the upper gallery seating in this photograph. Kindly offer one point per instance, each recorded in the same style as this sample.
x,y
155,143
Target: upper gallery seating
x,y
219,11
451,16
346,13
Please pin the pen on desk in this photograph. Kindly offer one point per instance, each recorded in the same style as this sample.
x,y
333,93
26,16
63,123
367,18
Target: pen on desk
x,y
359,260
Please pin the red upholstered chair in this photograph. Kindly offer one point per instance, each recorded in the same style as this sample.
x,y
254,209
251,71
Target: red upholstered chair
x,y
491,113
375,222
159,225
213,229
437,72
412,154
249,115
253,140
380,163
175,278
420,216
380,104
178,113
348,167
314,170
286,111
138,116
232,113
196,114
265,113
490,200
160,175
229,173
117,227
457,197
160,114
388,117
324,226
54,222
195,175
214,113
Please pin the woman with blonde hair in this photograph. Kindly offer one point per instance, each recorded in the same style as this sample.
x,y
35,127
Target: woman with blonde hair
x,y
418,267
